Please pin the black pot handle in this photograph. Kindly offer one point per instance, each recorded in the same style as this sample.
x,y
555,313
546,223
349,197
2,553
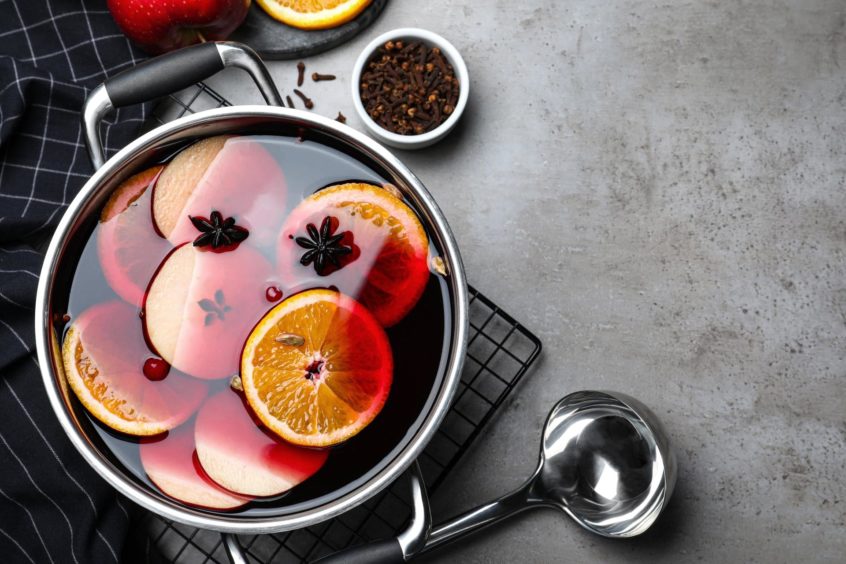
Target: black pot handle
x,y
394,550
385,551
160,76
406,544
166,74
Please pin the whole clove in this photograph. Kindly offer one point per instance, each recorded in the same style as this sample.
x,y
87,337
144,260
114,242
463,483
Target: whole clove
x,y
290,102
341,118
300,73
317,77
408,87
306,100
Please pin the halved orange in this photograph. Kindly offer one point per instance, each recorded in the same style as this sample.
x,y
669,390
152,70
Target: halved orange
x,y
317,368
313,14
103,355
387,268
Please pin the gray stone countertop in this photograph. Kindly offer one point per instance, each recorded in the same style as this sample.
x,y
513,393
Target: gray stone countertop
x,y
658,191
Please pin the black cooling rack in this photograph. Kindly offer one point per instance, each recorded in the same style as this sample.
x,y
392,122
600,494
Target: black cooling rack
x,y
189,101
500,351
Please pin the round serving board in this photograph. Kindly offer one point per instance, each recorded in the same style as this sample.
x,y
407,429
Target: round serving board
x,y
275,40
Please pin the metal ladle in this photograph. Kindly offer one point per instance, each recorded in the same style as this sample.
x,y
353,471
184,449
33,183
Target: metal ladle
x,y
605,461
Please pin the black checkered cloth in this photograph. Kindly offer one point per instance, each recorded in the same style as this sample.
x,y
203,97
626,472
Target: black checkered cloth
x,y
53,506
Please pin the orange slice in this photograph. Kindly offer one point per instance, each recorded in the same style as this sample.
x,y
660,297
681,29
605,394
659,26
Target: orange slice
x,y
313,14
103,355
317,368
127,244
386,271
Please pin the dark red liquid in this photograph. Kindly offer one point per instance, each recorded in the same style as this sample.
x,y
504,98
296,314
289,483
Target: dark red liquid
x,y
420,341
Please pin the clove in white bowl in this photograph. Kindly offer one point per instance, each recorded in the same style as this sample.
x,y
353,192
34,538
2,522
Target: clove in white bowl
x,y
415,141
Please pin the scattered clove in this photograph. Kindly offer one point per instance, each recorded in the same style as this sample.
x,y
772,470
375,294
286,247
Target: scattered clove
x,y
408,87
306,100
341,118
290,102
317,77
300,73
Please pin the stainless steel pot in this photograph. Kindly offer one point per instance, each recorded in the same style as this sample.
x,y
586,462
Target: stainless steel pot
x,y
168,74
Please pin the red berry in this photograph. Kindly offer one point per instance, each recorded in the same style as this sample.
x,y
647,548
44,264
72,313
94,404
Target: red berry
x,y
156,369
273,294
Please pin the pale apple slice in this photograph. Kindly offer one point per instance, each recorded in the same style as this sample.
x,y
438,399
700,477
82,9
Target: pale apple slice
x,y
242,457
235,176
171,464
201,306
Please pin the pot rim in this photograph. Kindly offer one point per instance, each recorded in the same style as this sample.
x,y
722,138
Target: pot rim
x,y
142,494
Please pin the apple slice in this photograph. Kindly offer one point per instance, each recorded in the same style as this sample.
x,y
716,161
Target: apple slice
x,y
244,458
128,246
236,176
201,306
171,463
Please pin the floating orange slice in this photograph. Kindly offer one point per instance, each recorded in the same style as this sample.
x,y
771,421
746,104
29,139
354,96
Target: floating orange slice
x,y
387,268
313,14
127,244
317,368
103,355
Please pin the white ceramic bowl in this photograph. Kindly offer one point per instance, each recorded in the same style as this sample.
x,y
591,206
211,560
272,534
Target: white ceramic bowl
x,y
423,139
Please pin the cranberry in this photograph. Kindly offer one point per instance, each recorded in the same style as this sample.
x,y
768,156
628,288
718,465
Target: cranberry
x,y
273,294
156,369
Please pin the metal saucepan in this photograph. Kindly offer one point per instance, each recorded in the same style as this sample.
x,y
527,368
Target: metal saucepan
x,y
156,78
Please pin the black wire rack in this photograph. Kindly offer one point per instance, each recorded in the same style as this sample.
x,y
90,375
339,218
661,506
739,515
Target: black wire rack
x,y
500,352
189,101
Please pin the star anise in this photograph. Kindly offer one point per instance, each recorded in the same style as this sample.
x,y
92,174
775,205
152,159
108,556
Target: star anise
x,y
216,231
215,309
322,246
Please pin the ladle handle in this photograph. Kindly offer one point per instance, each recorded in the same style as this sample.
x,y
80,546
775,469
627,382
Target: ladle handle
x,y
166,74
479,518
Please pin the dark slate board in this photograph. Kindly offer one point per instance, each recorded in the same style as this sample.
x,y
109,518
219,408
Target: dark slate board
x,y
275,40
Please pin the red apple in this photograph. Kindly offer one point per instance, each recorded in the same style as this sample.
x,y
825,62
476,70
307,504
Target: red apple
x,y
163,25
243,458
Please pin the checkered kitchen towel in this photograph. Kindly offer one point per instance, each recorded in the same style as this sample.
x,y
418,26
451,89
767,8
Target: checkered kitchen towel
x,y
53,507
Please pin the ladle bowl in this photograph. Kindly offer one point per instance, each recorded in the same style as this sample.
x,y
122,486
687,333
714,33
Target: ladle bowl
x,y
605,461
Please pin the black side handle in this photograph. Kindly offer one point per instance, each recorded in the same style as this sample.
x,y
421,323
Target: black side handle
x,y
167,74
162,75
387,551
